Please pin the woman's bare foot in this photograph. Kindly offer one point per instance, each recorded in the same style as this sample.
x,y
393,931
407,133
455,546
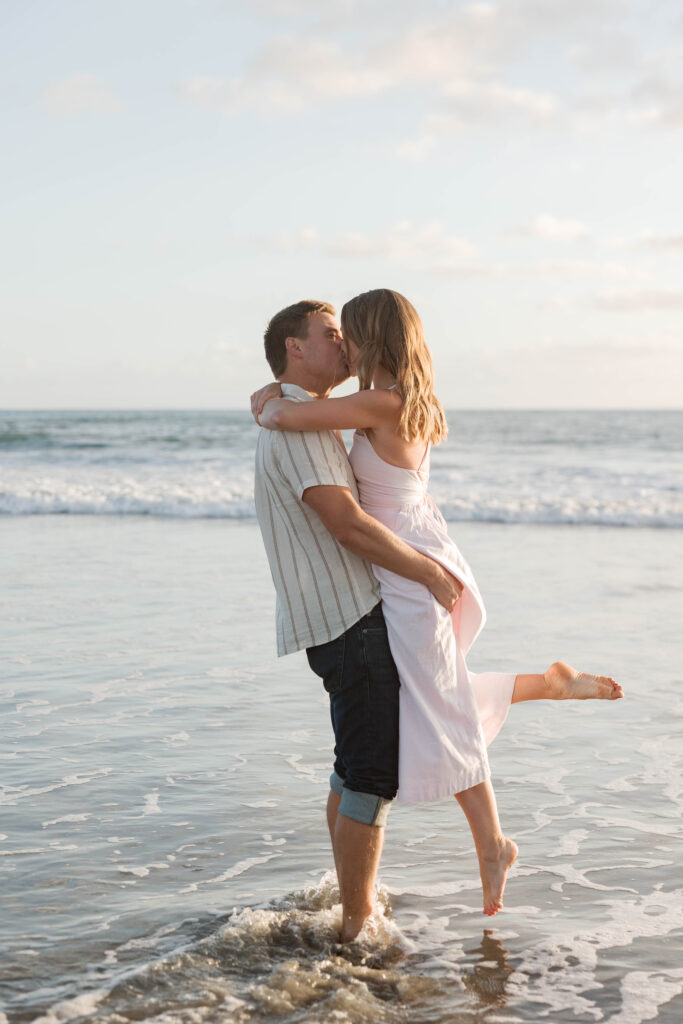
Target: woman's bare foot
x,y
493,871
566,683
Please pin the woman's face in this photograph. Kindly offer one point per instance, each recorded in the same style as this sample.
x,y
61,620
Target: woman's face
x,y
351,353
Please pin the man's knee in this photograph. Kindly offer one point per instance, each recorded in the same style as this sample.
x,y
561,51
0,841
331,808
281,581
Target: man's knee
x,y
365,808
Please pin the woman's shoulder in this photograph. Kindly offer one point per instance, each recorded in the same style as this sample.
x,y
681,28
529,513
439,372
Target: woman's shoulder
x,y
384,398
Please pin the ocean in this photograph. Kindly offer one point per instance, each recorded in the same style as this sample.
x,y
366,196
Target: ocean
x,y
163,848
608,468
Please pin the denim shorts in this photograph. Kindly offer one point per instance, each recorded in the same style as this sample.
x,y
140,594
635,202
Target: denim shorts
x,y
360,677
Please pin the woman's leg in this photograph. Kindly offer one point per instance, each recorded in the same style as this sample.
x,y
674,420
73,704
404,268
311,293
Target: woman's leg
x,y
562,682
495,852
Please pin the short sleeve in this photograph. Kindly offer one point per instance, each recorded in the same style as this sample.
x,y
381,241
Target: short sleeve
x,y
312,458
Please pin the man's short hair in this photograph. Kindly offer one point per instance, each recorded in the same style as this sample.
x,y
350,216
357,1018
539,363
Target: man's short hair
x,y
291,322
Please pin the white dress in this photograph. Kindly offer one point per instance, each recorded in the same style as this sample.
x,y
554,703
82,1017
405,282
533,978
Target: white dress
x,y
448,715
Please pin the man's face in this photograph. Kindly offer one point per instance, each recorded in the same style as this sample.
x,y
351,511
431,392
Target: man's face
x,y
323,350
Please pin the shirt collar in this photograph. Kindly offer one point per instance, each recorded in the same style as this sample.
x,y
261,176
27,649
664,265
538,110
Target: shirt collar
x,y
297,393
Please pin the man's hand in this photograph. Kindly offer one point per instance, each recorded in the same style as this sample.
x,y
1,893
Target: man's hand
x,y
445,588
358,532
263,395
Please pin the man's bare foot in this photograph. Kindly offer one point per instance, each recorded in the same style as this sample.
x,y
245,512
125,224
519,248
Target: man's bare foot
x,y
353,924
566,683
493,871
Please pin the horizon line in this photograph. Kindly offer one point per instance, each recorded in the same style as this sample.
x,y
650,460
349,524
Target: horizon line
x,y
227,409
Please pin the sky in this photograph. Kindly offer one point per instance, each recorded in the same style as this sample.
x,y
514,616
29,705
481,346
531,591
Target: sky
x,y
176,171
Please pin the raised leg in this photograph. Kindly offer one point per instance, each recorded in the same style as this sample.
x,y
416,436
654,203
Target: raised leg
x,y
495,852
562,682
357,850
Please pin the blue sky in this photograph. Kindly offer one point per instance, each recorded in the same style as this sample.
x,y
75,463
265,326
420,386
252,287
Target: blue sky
x,y
175,171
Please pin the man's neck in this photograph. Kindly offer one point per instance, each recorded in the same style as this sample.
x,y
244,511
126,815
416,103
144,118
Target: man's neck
x,y
315,388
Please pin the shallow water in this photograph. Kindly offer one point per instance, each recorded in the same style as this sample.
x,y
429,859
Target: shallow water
x,y
163,845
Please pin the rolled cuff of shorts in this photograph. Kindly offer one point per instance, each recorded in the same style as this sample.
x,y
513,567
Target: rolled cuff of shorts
x,y
364,808
336,784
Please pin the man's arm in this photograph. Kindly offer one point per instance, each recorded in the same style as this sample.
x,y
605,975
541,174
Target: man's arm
x,y
366,537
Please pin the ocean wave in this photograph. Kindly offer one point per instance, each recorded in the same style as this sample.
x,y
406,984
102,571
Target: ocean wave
x,y
283,961
280,961
614,469
151,432
179,503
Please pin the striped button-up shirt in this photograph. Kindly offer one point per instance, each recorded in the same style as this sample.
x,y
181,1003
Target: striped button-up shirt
x,y
321,588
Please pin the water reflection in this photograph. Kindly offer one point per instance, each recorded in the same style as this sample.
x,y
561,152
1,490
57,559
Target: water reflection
x,y
487,975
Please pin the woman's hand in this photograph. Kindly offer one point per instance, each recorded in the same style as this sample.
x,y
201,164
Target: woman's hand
x,y
263,395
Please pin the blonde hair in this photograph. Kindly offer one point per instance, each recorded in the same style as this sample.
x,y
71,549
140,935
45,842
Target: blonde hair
x,y
388,332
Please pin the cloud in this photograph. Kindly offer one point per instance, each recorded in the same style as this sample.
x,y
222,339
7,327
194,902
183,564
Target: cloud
x,y
475,99
457,66
294,72
590,268
657,116
297,241
333,12
287,75
431,248
647,85
230,354
652,241
659,100
80,94
468,104
606,52
594,374
424,247
452,68
554,229
420,148
454,52
639,301
406,242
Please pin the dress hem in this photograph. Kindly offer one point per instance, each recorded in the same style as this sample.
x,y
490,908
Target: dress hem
x,y
439,791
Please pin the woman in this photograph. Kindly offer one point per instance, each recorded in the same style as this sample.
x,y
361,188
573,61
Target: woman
x,y
447,714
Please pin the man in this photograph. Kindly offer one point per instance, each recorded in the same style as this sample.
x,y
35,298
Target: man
x,y
319,544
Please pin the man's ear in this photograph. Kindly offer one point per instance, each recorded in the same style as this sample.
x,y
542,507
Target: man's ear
x,y
294,348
